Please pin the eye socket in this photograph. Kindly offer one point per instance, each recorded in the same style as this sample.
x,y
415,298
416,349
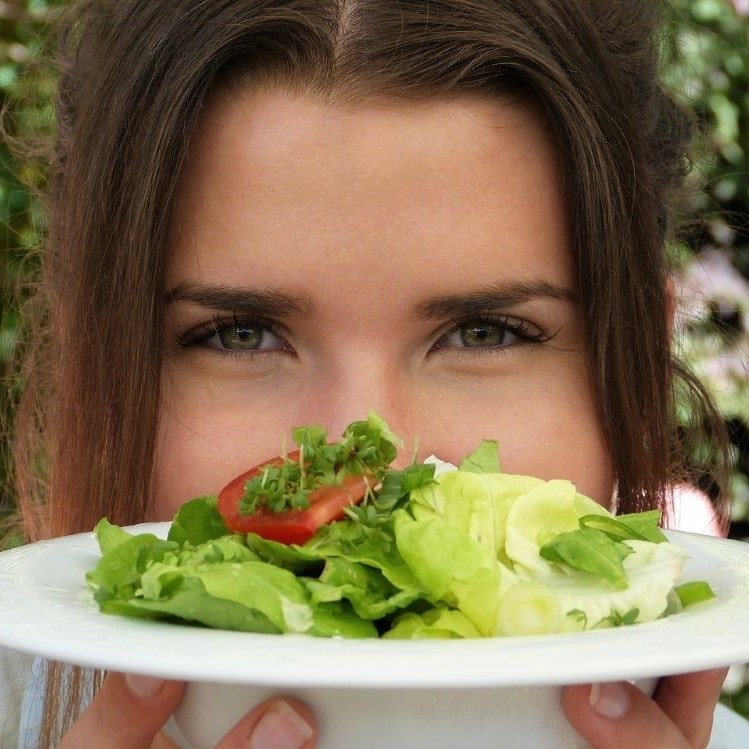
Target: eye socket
x,y
235,335
491,334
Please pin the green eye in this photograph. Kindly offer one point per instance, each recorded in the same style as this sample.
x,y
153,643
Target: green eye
x,y
232,334
491,334
241,337
482,335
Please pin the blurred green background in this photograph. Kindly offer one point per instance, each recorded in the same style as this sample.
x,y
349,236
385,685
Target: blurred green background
x,y
705,63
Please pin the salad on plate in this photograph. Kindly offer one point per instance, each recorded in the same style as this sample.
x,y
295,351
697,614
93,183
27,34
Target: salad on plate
x,y
330,540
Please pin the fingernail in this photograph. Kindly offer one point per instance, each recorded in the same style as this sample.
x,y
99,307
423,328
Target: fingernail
x,y
281,727
143,687
610,700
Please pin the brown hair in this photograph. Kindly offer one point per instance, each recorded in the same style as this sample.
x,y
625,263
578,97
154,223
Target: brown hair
x,y
134,76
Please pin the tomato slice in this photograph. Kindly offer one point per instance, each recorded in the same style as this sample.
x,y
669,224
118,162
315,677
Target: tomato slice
x,y
327,503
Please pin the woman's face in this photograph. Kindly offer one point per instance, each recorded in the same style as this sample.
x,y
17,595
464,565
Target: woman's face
x,y
411,259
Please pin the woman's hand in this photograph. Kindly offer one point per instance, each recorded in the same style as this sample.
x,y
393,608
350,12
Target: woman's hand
x,y
129,711
618,715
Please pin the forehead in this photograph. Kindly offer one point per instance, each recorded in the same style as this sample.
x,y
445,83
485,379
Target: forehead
x,y
279,187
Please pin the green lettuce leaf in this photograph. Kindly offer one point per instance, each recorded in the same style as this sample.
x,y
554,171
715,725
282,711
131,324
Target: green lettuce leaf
x,y
197,521
484,459
442,624
470,552
453,567
368,591
589,550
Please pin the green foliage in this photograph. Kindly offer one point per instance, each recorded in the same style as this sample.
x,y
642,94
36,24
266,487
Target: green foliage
x,y
706,58
26,103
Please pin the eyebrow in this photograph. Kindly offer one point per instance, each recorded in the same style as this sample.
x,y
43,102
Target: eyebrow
x,y
259,302
492,298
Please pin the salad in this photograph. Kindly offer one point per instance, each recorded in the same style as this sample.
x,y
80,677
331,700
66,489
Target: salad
x,y
330,540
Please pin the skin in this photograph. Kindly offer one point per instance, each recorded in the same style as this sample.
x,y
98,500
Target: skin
x,y
367,236
439,202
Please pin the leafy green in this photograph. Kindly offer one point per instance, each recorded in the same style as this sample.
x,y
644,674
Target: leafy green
x,y
589,550
597,546
110,536
218,583
615,619
530,608
437,623
366,448
694,591
398,485
641,525
370,593
470,552
484,459
197,521
452,567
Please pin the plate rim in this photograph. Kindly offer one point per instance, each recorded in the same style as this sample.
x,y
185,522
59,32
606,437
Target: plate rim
x,y
304,661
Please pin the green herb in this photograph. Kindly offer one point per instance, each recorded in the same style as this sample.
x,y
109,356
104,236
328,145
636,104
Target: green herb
x,y
589,550
393,493
366,448
615,619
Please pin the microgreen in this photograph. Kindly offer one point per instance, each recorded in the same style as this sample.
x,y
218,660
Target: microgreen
x,y
366,448
615,619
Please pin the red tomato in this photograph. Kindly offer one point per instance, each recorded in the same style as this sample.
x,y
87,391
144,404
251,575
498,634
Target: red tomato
x,y
327,504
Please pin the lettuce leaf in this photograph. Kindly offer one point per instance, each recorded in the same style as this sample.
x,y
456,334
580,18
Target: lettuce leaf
x,y
437,552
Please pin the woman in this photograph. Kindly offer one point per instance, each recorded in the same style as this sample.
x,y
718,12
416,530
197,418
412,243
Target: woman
x,y
266,213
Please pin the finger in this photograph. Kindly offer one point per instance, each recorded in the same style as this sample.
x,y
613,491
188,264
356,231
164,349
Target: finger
x,y
126,713
689,700
619,716
275,724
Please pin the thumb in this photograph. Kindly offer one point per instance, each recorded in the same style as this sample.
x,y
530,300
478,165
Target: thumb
x,y
127,713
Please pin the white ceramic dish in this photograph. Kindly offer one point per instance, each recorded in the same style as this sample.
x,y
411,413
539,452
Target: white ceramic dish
x,y
417,694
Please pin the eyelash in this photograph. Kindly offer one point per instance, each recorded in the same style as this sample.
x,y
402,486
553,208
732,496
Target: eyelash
x,y
201,334
521,329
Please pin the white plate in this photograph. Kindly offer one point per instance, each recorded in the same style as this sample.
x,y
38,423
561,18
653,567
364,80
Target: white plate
x,y
47,610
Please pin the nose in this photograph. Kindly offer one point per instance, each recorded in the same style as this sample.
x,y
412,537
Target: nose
x,y
352,392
